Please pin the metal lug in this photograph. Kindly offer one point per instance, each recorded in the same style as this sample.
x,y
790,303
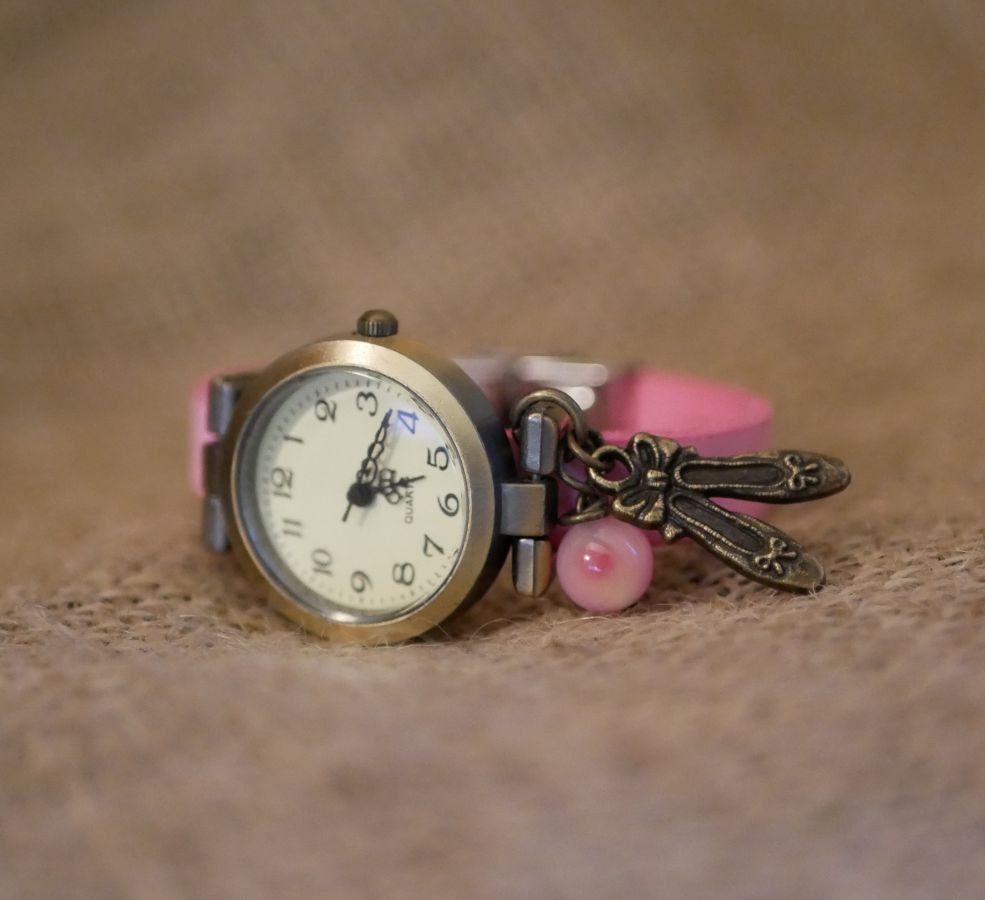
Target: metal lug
x,y
211,466
529,508
214,525
224,391
532,566
538,442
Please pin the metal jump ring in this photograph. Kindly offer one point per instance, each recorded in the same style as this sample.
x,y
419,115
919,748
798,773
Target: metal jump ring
x,y
587,457
581,486
557,398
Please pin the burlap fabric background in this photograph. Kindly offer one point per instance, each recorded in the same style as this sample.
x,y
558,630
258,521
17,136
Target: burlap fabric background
x,y
787,195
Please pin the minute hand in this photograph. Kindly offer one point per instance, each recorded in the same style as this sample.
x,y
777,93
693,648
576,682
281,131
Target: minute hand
x,y
367,468
367,472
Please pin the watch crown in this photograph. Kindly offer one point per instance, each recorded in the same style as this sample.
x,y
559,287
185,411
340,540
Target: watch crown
x,y
377,323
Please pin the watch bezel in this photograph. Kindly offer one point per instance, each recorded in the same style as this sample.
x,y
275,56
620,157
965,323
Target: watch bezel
x,y
471,423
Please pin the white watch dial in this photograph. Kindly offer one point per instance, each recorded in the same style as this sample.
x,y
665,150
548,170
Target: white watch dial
x,y
358,492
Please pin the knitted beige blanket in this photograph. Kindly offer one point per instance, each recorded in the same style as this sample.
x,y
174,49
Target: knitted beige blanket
x,y
788,196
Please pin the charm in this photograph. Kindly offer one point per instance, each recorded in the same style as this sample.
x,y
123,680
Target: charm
x,y
656,484
604,566
667,487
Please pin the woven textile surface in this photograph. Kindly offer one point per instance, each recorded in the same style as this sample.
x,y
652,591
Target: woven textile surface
x,y
787,196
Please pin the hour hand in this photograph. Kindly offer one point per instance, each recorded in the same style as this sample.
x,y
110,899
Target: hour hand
x,y
403,482
389,486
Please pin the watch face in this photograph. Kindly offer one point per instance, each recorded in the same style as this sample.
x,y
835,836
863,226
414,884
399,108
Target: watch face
x,y
353,494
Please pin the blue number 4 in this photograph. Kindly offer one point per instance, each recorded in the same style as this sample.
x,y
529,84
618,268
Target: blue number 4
x,y
408,420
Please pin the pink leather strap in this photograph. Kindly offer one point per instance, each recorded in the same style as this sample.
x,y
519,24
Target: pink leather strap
x,y
198,434
717,419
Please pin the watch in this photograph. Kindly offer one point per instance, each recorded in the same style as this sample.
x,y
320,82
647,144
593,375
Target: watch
x,y
371,488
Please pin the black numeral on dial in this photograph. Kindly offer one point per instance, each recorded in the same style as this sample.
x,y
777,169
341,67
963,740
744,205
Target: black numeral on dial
x,y
360,581
430,543
283,482
403,573
366,402
325,409
449,504
439,458
321,560
293,528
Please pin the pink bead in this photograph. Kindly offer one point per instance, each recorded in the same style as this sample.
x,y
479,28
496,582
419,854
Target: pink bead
x,y
605,566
